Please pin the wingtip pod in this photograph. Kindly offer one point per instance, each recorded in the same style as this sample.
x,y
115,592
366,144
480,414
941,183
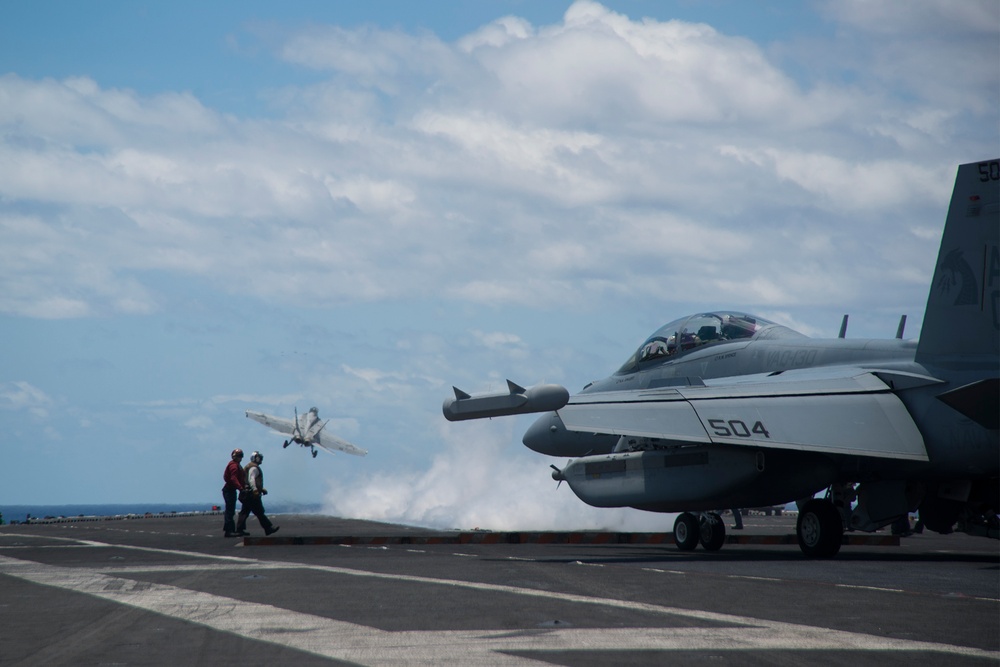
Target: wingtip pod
x,y
516,401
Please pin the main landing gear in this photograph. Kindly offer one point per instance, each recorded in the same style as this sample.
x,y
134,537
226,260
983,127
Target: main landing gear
x,y
704,527
820,529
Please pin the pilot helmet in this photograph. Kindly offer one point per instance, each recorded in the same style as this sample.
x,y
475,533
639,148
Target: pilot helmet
x,y
237,453
257,458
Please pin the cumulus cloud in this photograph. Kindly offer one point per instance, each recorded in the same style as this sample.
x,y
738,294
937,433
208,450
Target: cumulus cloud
x,y
506,167
677,72
933,50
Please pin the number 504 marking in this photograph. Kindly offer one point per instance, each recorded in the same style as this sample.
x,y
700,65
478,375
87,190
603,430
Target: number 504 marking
x,y
737,428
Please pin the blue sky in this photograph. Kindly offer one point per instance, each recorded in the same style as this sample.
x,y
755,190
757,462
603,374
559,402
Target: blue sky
x,y
357,205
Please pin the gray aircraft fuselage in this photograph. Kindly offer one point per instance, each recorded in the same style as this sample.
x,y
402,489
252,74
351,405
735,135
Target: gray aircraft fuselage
x,y
956,445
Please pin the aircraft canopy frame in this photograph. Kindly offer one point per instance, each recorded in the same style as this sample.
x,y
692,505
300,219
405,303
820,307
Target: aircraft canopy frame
x,y
679,337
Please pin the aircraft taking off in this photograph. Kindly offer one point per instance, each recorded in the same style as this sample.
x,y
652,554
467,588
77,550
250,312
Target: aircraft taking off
x,y
726,409
305,431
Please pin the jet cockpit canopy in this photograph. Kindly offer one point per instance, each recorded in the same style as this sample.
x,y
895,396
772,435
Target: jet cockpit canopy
x,y
688,333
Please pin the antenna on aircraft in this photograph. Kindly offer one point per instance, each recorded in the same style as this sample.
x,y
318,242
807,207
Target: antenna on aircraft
x,y
843,328
902,325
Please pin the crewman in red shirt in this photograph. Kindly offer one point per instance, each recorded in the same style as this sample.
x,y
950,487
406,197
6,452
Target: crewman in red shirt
x,y
235,483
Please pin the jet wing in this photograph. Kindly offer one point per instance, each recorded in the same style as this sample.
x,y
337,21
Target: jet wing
x,y
332,443
286,426
831,410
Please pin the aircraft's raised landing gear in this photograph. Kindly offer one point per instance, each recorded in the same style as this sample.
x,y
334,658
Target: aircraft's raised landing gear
x,y
820,529
706,528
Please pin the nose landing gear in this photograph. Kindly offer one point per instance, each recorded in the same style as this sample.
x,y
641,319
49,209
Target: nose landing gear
x,y
820,529
706,528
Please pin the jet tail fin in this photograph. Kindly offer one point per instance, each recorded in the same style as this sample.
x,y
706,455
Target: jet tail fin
x,y
962,320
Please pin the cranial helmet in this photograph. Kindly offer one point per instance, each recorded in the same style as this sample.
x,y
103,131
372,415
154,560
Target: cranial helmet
x,y
237,453
257,457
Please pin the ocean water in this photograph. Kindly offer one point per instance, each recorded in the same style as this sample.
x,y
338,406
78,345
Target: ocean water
x,y
20,513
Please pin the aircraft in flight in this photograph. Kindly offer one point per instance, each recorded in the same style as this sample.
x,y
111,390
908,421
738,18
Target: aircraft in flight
x,y
305,430
727,409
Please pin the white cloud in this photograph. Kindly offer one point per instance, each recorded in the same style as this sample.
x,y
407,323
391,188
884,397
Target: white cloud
x,y
200,422
940,53
389,61
497,34
918,18
662,149
497,339
374,378
866,186
23,396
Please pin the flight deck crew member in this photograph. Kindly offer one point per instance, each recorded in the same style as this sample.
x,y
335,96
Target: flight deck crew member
x,y
252,499
235,483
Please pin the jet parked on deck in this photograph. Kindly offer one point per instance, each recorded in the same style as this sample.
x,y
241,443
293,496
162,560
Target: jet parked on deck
x,y
728,409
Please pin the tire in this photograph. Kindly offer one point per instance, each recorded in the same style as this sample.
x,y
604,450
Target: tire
x,y
819,529
686,531
712,533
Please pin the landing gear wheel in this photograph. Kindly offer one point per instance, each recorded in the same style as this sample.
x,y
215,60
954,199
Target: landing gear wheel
x,y
820,529
686,531
712,532
314,453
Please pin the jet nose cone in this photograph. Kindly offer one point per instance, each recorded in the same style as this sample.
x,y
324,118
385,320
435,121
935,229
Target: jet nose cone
x,y
548,435
543,435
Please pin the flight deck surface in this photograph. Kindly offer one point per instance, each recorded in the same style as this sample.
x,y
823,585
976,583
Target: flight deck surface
x,y
162,591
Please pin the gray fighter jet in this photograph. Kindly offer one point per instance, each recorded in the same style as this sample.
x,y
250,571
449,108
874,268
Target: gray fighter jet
x,y
727,409
305,430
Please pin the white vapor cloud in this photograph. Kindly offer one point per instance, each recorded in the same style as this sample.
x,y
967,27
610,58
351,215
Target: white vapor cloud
x,y
477,479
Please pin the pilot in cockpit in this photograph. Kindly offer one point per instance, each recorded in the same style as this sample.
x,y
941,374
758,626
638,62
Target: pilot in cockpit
x,y
676,338
658,347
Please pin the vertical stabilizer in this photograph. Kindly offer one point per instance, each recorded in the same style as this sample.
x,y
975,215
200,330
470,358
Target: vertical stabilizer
x,y
962,320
